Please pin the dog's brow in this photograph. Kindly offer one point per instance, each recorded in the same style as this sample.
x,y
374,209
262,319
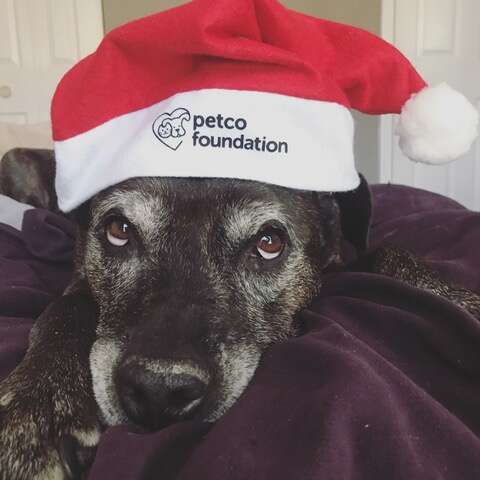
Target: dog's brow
x,y
141,209
244,221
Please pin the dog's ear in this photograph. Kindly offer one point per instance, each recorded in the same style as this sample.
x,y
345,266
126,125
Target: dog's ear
x,y
28,176
81,215
356,214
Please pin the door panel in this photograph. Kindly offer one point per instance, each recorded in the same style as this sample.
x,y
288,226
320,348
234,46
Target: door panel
x,y
9,51
39,41
442,39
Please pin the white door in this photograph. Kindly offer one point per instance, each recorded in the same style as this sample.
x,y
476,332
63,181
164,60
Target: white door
x,y
39,41
442,39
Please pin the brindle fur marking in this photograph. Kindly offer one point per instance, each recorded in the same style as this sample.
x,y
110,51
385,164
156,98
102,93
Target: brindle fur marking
x,y
49,397
408,268
27,176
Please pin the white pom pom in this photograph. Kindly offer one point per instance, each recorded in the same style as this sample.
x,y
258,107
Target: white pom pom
x,y
437,125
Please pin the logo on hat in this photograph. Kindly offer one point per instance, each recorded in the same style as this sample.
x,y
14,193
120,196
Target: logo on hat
x,y
169,128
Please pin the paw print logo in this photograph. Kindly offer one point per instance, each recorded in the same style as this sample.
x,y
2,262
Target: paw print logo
x,y
170,129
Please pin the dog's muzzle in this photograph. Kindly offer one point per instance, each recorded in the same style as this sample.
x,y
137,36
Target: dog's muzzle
x,y
156,393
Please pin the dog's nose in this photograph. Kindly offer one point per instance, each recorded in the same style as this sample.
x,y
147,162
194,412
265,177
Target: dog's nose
x,y
153,398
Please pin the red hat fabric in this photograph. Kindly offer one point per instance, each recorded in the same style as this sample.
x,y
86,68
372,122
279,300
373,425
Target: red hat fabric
x,y
242,89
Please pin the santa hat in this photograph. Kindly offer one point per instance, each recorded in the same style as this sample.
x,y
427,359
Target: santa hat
x,y
241,89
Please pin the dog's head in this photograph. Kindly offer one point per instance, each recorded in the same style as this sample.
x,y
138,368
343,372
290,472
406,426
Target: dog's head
x,y
194,279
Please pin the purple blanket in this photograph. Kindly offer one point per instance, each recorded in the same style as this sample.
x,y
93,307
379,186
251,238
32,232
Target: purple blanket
x,y
386,384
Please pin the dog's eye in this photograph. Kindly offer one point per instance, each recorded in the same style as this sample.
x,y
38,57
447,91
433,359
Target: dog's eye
x,y
118,232
270,245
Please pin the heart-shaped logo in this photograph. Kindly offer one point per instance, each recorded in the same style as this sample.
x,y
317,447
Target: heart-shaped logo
x,y
170,129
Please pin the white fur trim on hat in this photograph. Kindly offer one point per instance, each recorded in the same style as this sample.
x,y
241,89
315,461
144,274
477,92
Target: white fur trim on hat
x,y
213,133
437,125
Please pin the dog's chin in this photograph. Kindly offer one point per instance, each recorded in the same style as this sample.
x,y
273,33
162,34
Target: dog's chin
x,y
237,366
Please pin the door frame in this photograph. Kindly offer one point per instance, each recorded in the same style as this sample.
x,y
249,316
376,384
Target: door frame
x,y
386,135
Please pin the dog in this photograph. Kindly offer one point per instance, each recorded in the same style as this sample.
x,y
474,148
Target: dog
x,y
179,287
